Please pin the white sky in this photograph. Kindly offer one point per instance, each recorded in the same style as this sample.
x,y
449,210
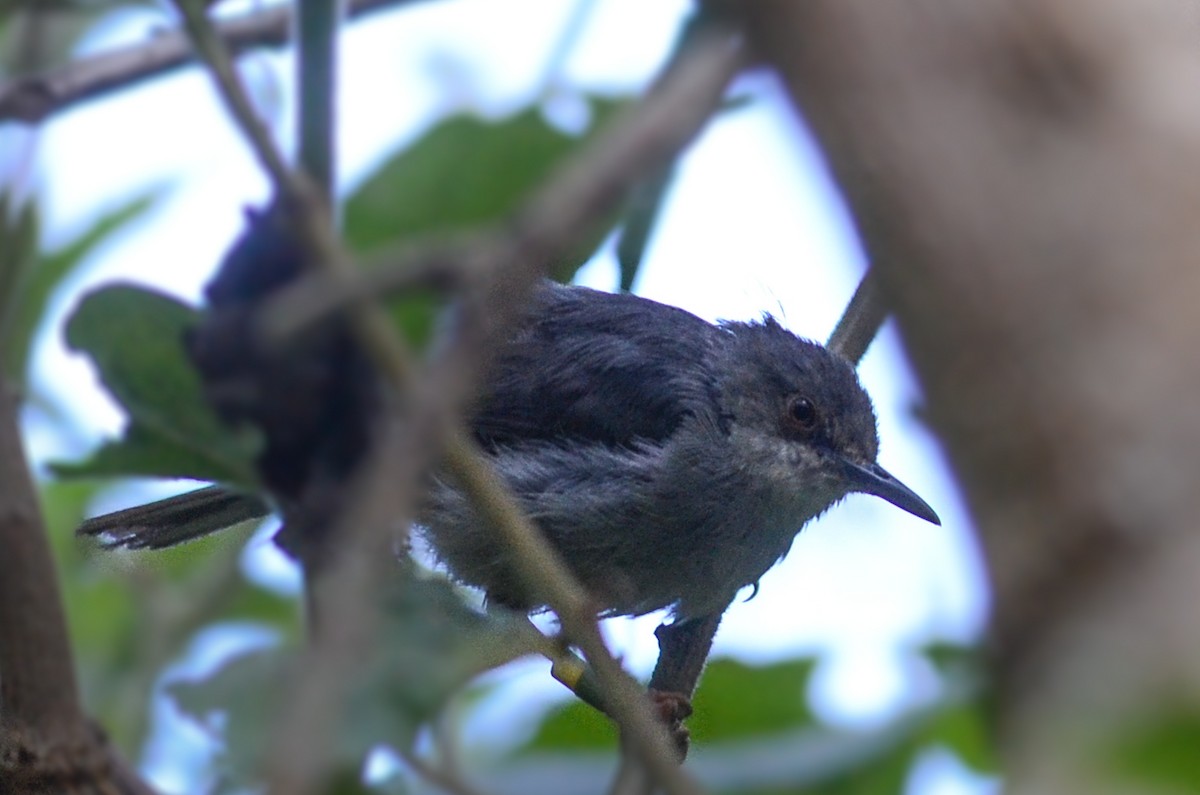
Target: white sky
x,y
753,225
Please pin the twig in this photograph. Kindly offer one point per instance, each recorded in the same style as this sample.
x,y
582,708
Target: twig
x,y
212,50
559,213
317,24
35,98
388,486
861,321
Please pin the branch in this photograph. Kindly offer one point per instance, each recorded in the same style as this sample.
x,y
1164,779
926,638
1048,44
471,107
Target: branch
x,y
1025,177
46,741
560,212
35,98
861,321
318,24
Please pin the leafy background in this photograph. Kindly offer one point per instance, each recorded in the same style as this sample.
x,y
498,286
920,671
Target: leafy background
x,y
198,631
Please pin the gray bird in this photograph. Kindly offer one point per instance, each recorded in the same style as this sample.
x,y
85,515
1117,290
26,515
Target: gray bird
x,y
671,462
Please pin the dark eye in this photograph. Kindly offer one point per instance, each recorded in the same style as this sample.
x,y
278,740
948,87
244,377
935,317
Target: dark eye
x,y
801,413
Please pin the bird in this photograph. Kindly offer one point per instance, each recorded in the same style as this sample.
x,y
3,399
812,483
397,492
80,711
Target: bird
x,y
670,461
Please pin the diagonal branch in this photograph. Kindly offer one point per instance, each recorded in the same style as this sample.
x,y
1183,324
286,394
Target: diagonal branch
x,y
861,320
35,98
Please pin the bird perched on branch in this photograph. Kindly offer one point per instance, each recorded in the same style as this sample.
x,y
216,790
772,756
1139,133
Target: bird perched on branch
x,y
669,461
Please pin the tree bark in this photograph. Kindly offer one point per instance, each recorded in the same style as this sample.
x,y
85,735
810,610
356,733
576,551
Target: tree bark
x,y
1026,176
47,744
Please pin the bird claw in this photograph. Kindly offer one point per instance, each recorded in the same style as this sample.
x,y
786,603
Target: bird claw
x,y
672,709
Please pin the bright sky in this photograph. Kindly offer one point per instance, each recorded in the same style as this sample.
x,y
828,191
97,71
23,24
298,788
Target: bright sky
x,y
753,225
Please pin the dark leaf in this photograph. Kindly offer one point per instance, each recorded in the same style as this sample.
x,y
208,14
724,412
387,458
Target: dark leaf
x,y
134,337
463,173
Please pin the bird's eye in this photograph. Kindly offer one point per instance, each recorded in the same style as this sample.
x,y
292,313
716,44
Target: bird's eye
x,y
801,413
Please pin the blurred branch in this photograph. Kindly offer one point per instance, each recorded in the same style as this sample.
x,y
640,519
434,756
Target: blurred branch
x,y
861,321
1025,176
46,741
317,30
560,212
35,98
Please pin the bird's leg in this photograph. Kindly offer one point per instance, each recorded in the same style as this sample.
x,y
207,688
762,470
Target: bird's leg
x,y
683,648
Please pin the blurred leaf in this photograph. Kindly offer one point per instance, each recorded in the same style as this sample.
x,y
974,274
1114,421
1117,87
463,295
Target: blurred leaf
x,y
734,701
952,658
39,282
129,614
465,172
882,774
963,729
1163,751
572,726
430,644
415,314
737,701
134,337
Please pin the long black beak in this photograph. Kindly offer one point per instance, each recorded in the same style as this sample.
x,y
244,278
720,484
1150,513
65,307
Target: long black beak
x,y
874,479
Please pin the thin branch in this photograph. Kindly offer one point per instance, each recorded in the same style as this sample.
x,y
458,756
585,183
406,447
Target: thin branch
x,y
861,321
317,25
560,212
35,98
233,93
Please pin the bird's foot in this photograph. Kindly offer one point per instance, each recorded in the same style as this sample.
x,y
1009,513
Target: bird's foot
x,y
673,709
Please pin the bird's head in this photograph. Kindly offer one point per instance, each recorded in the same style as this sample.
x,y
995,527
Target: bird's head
x,y
798,417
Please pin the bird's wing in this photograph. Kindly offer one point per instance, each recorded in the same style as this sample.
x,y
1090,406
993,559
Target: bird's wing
x,y
598,367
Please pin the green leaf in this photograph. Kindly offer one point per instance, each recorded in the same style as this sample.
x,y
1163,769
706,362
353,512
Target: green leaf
x,y
737,700
134,337
734,701
1161,750
463,173
429,645
572,726
39,282
964,730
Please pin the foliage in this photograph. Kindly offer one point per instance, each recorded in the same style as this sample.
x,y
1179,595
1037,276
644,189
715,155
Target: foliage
x,y
1159,750
428,646
464,173
39,276
135,338
753,732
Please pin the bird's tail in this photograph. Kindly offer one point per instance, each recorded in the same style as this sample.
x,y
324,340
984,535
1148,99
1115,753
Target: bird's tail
x,y
176,519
